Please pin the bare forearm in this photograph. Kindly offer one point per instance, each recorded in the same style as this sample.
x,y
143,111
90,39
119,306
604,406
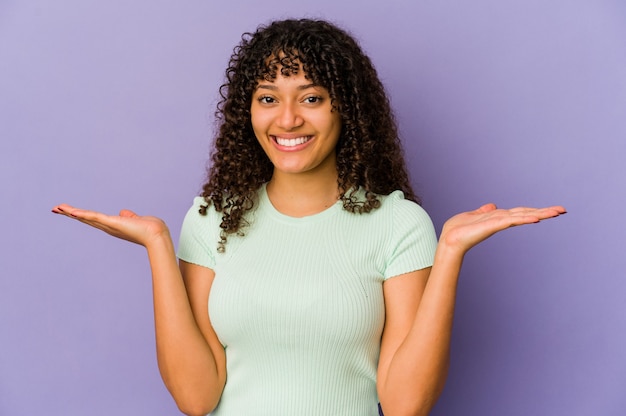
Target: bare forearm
x,y
185,360
418,369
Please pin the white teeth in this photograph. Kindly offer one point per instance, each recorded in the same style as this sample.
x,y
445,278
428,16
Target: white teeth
x,y
292,142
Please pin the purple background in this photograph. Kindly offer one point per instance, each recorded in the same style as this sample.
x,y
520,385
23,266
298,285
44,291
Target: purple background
x,y
108,105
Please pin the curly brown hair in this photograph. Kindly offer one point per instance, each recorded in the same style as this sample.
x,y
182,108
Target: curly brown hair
x,y
369,153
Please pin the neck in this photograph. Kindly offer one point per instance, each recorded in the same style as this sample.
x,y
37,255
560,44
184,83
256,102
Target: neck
x,y
299,195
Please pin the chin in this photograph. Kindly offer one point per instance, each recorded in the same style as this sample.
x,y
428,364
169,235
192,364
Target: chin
x,y
290,168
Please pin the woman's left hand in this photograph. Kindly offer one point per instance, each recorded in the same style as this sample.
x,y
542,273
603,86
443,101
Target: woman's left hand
x,y
465,230
128,226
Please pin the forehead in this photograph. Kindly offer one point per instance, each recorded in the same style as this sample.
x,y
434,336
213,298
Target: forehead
x,y
290,78
295,84
285,73
284,64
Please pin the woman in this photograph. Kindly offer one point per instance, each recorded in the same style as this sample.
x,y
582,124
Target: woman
x,y
310,281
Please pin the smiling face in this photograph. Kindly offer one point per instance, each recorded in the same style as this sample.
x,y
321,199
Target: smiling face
x,y
294,122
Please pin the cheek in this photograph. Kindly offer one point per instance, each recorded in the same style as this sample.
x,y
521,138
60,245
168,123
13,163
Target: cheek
x,y
328,122
258,125
256,116
260,119
336,126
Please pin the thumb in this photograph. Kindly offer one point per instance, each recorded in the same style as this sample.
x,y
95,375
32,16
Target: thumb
x,y
127,213
487,208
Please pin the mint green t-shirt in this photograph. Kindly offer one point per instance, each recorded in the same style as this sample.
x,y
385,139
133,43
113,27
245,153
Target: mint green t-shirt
x,y
298,303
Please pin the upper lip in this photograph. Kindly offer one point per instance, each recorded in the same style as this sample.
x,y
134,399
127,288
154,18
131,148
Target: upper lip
x,y
290,135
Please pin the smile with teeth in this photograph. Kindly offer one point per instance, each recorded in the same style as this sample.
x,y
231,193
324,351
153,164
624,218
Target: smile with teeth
x,y
292,142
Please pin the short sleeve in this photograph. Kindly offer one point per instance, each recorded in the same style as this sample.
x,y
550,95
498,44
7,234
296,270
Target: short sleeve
x,y
413,241
198,237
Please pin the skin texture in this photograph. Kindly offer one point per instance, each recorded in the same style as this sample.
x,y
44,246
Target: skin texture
x,y
416,339
302,180
415,344
190,357
369,153
293,107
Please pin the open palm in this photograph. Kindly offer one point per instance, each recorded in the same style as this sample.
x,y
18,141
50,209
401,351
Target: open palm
x,y
465,230
127,225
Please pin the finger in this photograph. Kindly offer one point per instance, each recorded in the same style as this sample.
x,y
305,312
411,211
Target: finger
x,y
84,214
92,218
521,216
558,208
61,209
108,224
487,208
551,211
127,213
71,211
64,209
540,213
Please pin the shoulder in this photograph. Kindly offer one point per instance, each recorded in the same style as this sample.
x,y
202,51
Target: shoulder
x,y
402,210
395,220
394,210
413,239
199,234
198,205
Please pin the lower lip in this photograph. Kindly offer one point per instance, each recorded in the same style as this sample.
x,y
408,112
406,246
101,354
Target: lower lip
x,y
291,148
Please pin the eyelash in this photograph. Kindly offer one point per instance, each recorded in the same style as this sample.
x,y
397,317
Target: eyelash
x,y
317,99
313,99
265,99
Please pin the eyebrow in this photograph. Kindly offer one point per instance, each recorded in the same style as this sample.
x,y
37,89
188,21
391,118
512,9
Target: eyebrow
x,y
275,88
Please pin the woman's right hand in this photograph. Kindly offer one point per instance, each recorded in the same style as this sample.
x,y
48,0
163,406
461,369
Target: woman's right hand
x,y
127,225
465,230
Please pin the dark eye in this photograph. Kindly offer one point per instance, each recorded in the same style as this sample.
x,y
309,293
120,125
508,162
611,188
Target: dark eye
x,y
265,99
313,99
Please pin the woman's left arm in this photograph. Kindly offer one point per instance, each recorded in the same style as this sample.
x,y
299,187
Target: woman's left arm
x,y
419,308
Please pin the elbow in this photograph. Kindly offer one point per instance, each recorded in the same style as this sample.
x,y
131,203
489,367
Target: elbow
x,y
198,404
416,404
399,409
415,398
194,399
194,409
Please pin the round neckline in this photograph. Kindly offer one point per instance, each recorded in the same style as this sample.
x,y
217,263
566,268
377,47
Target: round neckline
x,y
267,204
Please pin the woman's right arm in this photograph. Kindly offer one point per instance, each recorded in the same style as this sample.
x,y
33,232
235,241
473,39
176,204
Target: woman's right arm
x,y
191,359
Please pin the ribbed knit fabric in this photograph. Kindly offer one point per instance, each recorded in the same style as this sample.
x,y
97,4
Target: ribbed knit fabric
x,y
298,302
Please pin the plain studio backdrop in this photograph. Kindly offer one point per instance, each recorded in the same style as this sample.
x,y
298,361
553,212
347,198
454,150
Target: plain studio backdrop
x,y
109,105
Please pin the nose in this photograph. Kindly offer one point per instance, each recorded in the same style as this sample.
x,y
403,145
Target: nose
x,y
289,117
